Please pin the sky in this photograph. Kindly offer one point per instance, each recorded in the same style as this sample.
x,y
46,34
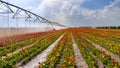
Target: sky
x,y
75,12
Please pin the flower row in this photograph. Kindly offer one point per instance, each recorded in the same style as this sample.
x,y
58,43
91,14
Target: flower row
x,y
62,55
5,41
105,39
88,49
8,49
27,54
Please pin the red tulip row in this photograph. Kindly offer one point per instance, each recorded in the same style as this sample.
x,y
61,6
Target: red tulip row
x,y
62,55
8,49
14,39
27,54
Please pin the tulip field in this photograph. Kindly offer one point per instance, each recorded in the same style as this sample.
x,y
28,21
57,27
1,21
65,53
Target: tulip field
x,y
62,55
91,53
99,48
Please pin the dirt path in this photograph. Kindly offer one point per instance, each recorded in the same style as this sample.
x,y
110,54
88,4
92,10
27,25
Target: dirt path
x,y
113,56
80,62
40,57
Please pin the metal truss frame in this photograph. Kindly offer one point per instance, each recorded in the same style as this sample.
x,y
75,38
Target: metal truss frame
x,y
28,14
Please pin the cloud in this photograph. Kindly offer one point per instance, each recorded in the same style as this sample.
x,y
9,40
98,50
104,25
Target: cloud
x,y
71,13
57,6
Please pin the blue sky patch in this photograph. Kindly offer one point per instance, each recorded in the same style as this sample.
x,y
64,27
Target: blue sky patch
x,y
96,4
